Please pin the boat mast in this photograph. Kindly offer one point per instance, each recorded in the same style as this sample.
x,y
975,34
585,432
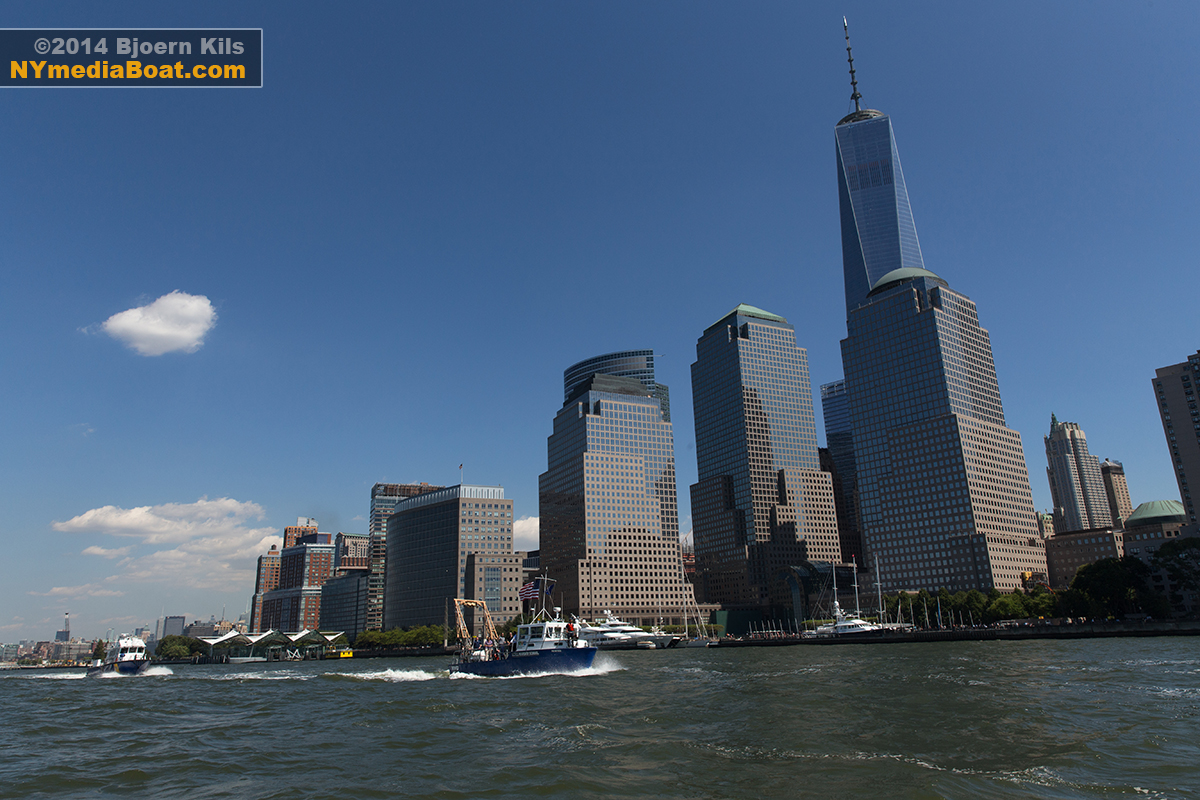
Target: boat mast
x,y
878,590
857,607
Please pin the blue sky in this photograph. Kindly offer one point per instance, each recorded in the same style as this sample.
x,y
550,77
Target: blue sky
x,y
431,210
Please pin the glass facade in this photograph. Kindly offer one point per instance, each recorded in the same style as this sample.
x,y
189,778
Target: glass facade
x,y
608,509
761,502
1076,485
943,489
839,439
636,364
430,538
878,233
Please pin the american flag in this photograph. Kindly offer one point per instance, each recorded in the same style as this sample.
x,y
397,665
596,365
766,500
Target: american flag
x,y
530,590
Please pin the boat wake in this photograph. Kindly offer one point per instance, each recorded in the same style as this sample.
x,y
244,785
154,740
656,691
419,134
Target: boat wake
x,y
59,676
603,665
392,675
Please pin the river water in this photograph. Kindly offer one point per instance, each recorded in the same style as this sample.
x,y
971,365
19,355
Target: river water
x,y
1074,719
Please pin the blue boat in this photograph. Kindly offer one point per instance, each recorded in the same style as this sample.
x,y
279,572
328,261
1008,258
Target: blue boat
x,y
543,646
127,657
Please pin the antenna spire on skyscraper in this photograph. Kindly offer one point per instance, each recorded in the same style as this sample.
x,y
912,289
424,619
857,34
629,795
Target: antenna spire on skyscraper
x,y
855,96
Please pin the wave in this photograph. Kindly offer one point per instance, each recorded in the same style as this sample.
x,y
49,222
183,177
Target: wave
x,y
392,675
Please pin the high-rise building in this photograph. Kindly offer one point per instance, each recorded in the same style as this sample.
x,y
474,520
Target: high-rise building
x,y
266,580
1120,506
839,439
943,489
636,364
173,626
1076,486
761,503
429,538
384,498
303,527
608,509
295,604
1175,389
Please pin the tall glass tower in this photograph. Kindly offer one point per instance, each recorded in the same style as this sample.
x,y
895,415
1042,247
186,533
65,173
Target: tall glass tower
x,y
943,488
761,502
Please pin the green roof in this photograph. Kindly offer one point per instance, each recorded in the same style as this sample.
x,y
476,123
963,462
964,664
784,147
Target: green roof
x,y
1157,512
904,274
750,311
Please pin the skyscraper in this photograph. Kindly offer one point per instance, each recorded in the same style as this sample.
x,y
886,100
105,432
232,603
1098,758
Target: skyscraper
x,y
1076,486
943,489
1120,506
636,364
384,498
1175,390
609,519
878,232
266,580
839,437
761,503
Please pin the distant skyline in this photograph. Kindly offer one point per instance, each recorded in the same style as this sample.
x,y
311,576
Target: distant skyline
x,y
226,309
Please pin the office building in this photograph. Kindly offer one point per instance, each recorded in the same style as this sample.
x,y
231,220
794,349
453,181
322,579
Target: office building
x,y
384,498
1175,390
173,626
344,603
636,364
943,490
495,579
609,516
761,503
295,604
1076,486
430,536
839,440
266,580
1120,506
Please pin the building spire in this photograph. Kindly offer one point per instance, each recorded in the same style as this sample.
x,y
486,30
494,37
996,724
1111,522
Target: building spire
x,y
855,96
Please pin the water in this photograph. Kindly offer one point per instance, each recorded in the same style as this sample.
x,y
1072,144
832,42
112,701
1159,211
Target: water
x,y
1078,719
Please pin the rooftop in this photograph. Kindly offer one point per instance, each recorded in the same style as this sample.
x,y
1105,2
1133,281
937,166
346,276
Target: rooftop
x,y
898,276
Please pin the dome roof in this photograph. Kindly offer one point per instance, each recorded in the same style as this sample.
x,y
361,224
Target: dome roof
x,y
898,276
1157,512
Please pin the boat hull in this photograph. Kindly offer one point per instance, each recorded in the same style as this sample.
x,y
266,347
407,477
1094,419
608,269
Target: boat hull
x,y
531,662
119,668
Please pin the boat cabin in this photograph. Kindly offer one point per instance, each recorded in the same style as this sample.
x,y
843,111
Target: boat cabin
x,y
545,635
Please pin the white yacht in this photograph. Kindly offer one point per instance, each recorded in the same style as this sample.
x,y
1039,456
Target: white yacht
x,y
610,633
844,625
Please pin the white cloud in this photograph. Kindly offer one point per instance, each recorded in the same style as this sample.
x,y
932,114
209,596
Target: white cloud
x,y
525,533
175,321
84,590
103,552
210,544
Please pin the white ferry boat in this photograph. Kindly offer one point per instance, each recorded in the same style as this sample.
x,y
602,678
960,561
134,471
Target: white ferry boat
x,y
128,656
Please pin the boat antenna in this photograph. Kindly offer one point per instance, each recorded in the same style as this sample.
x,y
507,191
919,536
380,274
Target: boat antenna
x,y
855,96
